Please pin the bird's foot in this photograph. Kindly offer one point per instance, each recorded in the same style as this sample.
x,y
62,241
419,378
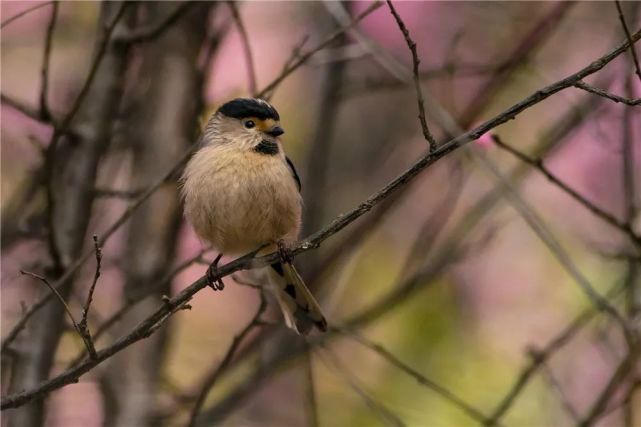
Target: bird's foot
x,y
213,279
284,252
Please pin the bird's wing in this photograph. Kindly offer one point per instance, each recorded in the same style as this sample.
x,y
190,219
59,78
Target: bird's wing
x,y
294,174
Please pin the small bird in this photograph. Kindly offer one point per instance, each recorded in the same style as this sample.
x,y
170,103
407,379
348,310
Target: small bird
x,y
241,193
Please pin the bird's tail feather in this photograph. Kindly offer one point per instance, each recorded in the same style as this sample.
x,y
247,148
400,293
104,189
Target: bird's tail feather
x,y
300,309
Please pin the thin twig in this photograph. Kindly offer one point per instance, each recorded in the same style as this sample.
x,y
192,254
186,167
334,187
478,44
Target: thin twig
x,y
538,165
212,377
119,222
626,366
28,111
269,89
384,413
600,92
448,395
87,340
85,310
23,13
153,31
146,327
311,403
539,356
44,88
633,51
244,39
558,389
122,311
417,81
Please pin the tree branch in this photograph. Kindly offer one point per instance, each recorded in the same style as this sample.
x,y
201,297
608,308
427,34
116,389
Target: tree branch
x,y
538,165
600,92
244,39
417,82
151,323
23,13
85,338
633,51
44,88
269,89
212,377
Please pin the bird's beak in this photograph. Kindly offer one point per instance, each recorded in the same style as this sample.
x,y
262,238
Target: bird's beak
x,y
275,131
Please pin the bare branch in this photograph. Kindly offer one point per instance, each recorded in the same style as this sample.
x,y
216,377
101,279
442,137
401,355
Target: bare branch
x,y
244,39
119,222
23,13
420,378
212,377
626,366
85,311
86,339
600,92
44,88
556,387
633,51
417,82
382,412
23,108
269,89
539,356
150,324
538,164
151,32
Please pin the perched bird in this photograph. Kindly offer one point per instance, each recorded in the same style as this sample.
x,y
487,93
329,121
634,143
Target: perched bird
x,y
241,192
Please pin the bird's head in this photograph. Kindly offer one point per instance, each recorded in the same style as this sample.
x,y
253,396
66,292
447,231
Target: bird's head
x,y
246,122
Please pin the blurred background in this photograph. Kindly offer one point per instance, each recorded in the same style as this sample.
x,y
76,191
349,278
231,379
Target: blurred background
x,y
470,283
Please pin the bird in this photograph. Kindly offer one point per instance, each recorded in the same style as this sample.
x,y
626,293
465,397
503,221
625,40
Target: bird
x,y
241,192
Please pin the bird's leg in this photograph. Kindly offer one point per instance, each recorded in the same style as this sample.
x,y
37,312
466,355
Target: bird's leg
x,y
213,280
284,252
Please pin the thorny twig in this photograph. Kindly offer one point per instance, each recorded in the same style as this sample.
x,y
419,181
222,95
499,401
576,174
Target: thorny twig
x,y
417,82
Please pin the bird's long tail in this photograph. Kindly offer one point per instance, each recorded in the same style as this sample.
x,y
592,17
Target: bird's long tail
x,y
300,309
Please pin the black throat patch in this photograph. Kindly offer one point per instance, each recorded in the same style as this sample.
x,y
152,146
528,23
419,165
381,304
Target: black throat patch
x,y
269,148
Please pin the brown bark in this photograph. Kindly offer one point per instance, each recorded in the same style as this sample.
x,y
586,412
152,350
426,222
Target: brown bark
x,y
73,166
161,126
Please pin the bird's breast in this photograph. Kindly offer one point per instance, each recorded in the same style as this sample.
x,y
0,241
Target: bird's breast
x,y
238,200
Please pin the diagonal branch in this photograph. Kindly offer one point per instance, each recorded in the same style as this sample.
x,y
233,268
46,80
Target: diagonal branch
x,y
24,12
44,88
417,82
85,338
269,89
538,165
244,39
212,377
420,378
600,92
633,51
151,323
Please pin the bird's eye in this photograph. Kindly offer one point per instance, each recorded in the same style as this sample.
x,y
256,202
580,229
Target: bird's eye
x,y
249,124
